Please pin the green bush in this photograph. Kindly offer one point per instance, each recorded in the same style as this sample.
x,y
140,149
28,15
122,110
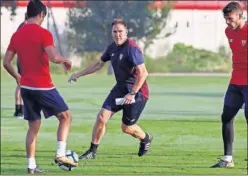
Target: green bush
x,y
224,52
185,58
156,65
182,58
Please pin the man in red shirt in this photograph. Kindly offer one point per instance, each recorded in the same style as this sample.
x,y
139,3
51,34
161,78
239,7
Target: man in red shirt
x,y
34,46
18,98
237,92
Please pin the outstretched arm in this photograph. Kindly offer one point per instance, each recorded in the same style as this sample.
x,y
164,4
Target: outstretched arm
x,y
55,57
49,47
91,68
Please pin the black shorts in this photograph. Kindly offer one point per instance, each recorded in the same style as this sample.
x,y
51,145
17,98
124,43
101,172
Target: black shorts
x,y
48,101
236,96
131,112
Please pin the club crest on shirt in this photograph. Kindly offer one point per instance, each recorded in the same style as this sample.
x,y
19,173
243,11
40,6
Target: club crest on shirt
x,y
243,42
120,57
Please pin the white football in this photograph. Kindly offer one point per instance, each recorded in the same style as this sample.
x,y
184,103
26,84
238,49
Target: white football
x,y
72,155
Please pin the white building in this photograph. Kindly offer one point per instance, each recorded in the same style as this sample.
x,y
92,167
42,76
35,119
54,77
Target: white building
x,y
199,23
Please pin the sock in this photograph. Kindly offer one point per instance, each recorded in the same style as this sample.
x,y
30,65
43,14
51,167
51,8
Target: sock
x,y
146,138
227,158
93,147
31,163
61,148
19,108
228,136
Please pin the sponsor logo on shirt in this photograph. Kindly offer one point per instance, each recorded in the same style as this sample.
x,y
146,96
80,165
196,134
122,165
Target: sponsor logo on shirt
x,y
120,57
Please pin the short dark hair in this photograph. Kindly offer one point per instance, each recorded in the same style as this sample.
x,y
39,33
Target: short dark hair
x,y
35,7
119,21
232,7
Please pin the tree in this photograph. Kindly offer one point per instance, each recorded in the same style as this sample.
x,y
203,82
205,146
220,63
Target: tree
x,y
10,5
90,26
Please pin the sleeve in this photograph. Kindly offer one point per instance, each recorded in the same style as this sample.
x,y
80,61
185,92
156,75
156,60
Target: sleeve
x,y
106,56
47,39
136,56
12,46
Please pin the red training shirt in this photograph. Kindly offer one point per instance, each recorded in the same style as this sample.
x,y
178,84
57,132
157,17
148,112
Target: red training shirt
x,y
29,43
238,44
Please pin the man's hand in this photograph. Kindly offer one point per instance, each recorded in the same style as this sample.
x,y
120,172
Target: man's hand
x,y
128,99
73,77
67,65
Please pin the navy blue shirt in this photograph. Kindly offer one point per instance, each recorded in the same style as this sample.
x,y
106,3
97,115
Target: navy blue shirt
x,y
124,59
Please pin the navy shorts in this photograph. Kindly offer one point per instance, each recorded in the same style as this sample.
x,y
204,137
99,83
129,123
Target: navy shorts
x,y
48,101
131,112
236,96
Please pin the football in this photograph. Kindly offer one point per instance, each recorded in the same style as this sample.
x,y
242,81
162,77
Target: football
x,y
72,155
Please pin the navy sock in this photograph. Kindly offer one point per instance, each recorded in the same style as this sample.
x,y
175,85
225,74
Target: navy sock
x,y
93,147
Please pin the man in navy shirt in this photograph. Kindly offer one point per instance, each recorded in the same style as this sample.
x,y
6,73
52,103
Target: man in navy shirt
x,y
130,73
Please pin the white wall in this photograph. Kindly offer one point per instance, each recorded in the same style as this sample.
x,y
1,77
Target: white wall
x,y
206,29
8,27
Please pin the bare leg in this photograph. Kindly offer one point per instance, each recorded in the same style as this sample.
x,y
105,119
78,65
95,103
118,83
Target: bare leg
x,y
100,125
18,103
31,137
64,125
18,97
98,132
62,135
134,130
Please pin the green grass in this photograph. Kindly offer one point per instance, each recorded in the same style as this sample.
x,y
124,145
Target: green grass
x,y
183,114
